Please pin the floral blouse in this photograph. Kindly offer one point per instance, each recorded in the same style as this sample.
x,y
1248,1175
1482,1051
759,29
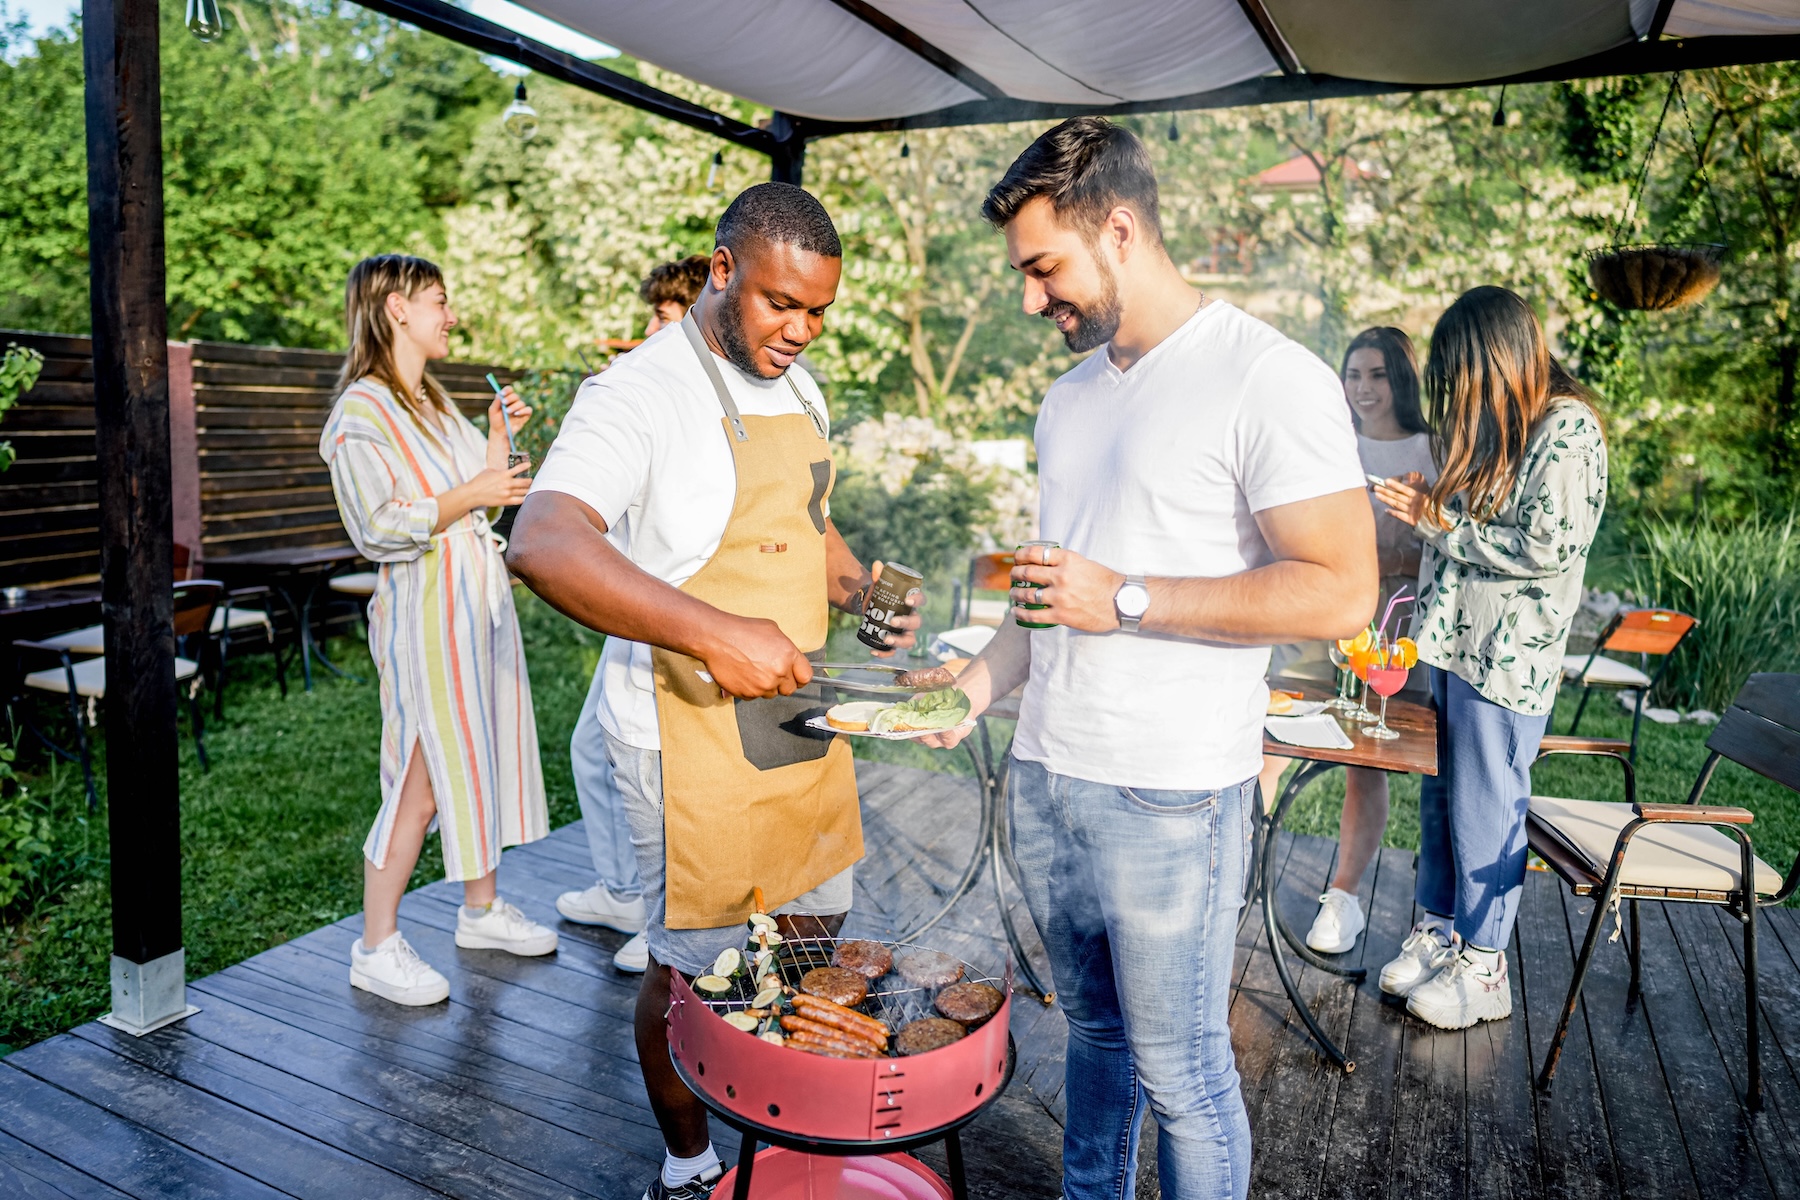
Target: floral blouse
x,y
1498,597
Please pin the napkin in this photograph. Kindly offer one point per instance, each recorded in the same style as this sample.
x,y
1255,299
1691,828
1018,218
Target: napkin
x,y
1319,731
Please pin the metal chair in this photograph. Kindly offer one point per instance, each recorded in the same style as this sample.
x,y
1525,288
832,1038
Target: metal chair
x,y
1687,853
195,604
1640,631
987,573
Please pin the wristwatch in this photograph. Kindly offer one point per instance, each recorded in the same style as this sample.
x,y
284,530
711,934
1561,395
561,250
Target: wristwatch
x,y
1131,601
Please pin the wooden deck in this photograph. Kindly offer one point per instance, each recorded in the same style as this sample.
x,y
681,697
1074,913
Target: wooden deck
x,y
525,1084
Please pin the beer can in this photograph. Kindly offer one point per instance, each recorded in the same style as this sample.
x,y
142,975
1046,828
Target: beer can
x,y
887,600
1022,621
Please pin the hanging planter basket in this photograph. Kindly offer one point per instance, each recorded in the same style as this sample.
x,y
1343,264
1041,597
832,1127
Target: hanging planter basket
x,y
1656,278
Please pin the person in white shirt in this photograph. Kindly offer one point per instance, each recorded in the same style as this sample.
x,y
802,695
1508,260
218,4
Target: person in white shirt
x,y
1200,474
684,512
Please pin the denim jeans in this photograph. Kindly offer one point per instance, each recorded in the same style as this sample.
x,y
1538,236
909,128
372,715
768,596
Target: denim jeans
x,y
1472,812
1136,892
602,808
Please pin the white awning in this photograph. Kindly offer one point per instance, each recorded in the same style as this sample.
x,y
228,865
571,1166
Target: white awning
x,y
872,60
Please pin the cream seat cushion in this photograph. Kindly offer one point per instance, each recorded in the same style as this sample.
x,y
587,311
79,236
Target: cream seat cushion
x,y
1606,672
240,618
91,640
357,583
90,677
1672,856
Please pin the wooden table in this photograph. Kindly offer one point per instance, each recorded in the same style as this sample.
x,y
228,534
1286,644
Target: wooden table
x,y
302,569
40,613
1414,752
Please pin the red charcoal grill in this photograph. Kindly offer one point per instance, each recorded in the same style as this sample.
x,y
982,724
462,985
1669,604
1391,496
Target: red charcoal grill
x,y
866,1113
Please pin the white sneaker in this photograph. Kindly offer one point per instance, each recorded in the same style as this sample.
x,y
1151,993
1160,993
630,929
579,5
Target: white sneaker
x,y
633,957
1466,991
1338,924
1428,949
597,906
394,971
503,927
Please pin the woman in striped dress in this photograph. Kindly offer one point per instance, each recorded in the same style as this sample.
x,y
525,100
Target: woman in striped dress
x,y
417,486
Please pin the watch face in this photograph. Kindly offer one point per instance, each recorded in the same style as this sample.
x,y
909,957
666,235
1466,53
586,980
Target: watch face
x,y
1132,600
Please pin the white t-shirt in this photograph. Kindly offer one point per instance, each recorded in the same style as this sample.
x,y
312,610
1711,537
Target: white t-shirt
x,y
1158,471
643,446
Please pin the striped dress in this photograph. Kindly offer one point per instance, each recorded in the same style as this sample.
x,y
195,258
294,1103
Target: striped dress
x,y
442,630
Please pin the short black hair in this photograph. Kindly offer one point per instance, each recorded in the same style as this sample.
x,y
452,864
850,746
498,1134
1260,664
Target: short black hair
x,y
778,212
679,282
1086,167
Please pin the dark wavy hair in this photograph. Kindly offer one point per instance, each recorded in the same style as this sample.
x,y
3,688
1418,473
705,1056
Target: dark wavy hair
x,y
1402,371
1086,166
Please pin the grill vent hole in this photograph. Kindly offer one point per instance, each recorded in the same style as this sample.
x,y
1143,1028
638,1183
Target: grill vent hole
x,y
774,1110
700,1067
978,1089
732,1092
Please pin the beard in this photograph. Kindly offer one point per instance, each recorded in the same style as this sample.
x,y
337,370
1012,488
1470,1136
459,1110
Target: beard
x,y
1097,321
731,334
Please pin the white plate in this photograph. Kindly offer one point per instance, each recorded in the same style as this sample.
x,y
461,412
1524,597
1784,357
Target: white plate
x,y
819,722
1318,732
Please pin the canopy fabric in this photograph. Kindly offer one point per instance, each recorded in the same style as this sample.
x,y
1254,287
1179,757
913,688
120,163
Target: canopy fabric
x,y
875,60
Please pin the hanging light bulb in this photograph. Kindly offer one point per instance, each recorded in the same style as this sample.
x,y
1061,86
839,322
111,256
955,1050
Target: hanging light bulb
x,y
712,172
905,149
204,20
519,119
1500,109
1174,130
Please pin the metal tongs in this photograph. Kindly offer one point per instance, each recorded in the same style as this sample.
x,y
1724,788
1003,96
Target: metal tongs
x,y
825,673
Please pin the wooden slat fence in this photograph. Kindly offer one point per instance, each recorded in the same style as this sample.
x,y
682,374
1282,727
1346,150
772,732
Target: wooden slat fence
x,y
256,413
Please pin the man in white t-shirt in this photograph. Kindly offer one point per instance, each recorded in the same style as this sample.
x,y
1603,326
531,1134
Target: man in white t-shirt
x,y
1199,473
683,512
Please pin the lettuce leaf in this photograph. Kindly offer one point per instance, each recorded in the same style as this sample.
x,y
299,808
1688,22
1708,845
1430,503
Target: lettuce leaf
x,y
942,709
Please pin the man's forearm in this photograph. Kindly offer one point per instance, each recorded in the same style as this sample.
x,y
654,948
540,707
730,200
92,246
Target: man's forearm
x,y
1002,666
561,554
1286,601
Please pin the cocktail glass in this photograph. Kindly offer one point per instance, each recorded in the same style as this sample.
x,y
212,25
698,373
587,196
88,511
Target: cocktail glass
x,y
1386,675
1343,702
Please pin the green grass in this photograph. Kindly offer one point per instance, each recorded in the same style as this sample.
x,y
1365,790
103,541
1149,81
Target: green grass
x,y
272,836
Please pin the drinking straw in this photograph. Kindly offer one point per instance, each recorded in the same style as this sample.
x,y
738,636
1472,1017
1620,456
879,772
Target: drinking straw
x,y
512,447
1398,597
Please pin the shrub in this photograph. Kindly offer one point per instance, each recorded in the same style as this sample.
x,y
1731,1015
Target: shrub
x,y
1742,582
24,832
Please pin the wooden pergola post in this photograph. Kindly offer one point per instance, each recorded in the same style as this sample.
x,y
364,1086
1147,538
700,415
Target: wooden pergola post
x,y
131,410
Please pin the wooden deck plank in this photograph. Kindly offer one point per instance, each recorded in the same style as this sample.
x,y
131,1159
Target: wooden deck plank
x,y
1362,1132
1575,1152
243,1139
27,1173
1499,1114
112,1149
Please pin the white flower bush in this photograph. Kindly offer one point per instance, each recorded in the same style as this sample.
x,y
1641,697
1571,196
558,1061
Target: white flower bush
x,y
891,450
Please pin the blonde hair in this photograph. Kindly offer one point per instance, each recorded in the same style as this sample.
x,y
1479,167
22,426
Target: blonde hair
x,y
371,353
1488,381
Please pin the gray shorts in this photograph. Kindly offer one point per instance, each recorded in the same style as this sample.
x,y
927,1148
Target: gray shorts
x,y
638,776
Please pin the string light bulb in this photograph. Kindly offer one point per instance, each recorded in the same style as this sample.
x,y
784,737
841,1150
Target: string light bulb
x,y
712,172
905,148
520,119
204,20
1174,130
1500,109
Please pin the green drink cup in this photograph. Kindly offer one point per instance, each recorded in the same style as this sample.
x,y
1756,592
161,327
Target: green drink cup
x,y
1022,621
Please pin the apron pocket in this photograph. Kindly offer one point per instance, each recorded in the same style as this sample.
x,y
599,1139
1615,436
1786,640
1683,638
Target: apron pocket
x,y
774,731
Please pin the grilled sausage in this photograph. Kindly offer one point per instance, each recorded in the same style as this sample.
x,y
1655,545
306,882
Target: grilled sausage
x,y
798,1024
835,1047
834,1014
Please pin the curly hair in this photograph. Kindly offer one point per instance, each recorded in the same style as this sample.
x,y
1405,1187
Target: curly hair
x,y
679,282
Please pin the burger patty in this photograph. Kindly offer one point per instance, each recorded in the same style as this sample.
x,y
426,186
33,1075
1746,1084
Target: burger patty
x,y
928,968
928,1033
836,985
869,959
969,1003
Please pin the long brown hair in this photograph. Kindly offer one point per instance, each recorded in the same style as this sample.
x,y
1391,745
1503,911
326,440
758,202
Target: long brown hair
x,y
1402,371
1488,380
371,351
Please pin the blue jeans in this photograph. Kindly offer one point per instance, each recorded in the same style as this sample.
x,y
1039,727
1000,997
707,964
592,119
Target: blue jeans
x,y
1472,812
1136,893
602,808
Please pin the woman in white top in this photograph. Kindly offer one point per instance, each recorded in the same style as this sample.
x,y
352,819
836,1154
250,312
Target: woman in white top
x,y
1381,384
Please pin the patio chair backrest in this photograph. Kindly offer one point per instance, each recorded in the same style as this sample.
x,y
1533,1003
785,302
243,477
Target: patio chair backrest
x,y
1761,729
195,600
1647,631
991,572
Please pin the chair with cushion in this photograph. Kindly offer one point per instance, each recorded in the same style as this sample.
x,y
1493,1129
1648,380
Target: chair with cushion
x,y
1688,853
1640,631
76,681
988,573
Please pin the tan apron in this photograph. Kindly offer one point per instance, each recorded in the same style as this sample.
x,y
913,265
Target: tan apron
x,y
751,797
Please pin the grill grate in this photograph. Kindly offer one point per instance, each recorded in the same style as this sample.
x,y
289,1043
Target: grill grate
x,y
891,1000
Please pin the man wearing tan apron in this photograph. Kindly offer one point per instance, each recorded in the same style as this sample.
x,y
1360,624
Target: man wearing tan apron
x,y
684,511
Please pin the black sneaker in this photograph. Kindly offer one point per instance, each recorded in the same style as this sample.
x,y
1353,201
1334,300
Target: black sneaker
x,y
698,1188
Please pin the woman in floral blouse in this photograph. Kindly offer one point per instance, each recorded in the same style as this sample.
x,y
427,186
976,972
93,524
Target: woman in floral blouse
x,y
1507,528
